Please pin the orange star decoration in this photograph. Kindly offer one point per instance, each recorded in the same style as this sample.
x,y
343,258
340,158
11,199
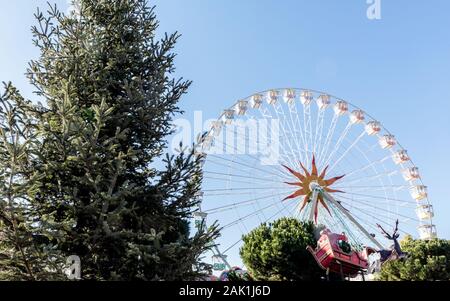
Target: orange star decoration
x,y
305,191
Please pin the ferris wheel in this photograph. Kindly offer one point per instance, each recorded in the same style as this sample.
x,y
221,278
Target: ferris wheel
x,y
306,154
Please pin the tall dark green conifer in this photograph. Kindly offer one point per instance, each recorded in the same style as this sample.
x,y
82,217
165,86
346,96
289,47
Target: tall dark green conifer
x,y
23,254
92,188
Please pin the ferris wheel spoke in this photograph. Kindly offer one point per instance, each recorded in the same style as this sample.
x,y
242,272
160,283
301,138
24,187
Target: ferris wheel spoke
x,y
338,144
279,110
262,212
371,164
230,208
370,225
335,222
233,147
237,204
365,204
235,181
344,214
346,226
381,221
391,216
311,129
267,115
347,150
380,197
305,132
375,186
245,176
254,180
228,165
298,124
228,193
380,189
379,201
249,215
330,135
254,158
274,168
249,166
367,223
300,128
290,158
307,110
360,189
232,246
361,178
265,221
297,127
318,129
356,236
240,223
301,148
368,177
375,216
245,188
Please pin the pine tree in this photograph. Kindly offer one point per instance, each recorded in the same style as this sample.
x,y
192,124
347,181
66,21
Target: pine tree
x,y
23,253
92,187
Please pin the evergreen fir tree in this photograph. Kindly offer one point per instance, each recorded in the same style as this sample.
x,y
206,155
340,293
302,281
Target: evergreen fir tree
x,y
24,255
91,188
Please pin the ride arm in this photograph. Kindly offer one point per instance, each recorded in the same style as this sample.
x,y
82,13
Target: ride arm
x,y
351,218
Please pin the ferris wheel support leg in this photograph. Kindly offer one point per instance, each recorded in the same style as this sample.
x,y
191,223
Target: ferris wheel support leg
x,y
314,197
329,198
222,257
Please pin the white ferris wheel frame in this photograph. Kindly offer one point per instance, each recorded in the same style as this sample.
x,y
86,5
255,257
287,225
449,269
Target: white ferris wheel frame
x,y
426,227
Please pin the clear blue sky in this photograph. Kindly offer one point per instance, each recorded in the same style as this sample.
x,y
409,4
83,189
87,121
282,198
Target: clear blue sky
x,y
396,68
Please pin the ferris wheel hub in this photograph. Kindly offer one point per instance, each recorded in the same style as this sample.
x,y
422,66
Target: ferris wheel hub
x,y
310,187
315,186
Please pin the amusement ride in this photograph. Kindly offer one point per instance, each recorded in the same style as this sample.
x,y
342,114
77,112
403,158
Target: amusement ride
x,y
310,155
